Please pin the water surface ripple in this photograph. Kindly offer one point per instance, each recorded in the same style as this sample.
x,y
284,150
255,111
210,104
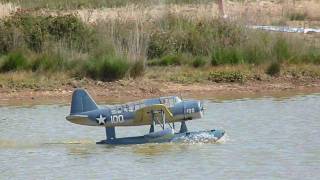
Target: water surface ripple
x,y
266,138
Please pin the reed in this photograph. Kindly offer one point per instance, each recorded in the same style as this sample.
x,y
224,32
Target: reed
x,y
122,47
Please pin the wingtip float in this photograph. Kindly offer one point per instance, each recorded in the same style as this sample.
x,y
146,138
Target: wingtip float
x,y
163,112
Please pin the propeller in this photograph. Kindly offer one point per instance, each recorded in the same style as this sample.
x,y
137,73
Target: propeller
x,y
202,108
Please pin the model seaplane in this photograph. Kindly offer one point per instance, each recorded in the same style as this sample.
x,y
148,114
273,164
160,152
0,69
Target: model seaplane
x,y
163,112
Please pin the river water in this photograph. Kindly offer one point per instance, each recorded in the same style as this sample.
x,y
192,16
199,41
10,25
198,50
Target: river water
x,y
266,138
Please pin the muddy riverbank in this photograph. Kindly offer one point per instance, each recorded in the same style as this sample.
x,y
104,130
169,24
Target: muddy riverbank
x,y
129,90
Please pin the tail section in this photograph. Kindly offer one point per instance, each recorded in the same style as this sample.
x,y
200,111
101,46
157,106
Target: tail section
x,y
82,102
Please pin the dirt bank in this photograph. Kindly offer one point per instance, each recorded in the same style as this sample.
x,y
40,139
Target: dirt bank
x,y
128,90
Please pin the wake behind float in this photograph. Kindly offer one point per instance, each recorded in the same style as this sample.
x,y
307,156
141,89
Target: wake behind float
x,y
163,112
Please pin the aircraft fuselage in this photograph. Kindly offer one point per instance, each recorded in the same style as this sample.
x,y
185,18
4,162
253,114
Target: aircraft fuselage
x,y
127,114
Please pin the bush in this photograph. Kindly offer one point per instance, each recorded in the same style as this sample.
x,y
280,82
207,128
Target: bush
x,y
199,62
155,48
137,68
8,38
274,69
178,34
228,55
36,31
46,63
72,29
312,56
107,68
170,60
281,49
297,16
13,62
226,77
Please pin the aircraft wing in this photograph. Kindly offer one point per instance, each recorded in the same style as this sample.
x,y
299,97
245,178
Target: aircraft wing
x,y
144,115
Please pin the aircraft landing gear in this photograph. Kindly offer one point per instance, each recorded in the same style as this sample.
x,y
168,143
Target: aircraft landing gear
x,y
110,133
183,127
151,128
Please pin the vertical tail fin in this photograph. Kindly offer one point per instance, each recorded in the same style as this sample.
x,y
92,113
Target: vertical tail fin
x,y
82,102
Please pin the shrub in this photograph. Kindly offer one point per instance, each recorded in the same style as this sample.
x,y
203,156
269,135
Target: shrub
x,y
72,29
13,62
229,55
171,60
311,56
19,30
137,68
226,77
297,16
30,27
155,48
8,38
199,62
107,68
46,63
178,34
281,49
37,31
274,69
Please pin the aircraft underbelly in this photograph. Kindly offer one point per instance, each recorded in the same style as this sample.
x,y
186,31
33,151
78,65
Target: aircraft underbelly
x,y
85,120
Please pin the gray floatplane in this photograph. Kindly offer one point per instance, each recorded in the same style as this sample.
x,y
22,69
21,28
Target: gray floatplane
x,y
163,112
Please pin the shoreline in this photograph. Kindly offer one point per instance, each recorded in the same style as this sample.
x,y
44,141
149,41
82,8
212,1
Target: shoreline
x,y
132,90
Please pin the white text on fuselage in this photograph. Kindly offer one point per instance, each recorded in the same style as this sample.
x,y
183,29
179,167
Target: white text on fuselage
x,y
116,119
190,111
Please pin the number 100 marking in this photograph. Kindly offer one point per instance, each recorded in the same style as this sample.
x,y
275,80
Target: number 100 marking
x,y
116,119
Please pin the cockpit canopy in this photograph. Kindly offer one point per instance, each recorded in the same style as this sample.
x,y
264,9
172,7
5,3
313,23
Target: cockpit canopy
x,y
170,101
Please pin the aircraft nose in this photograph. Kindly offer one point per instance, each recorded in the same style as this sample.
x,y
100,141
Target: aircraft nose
x,y
200,108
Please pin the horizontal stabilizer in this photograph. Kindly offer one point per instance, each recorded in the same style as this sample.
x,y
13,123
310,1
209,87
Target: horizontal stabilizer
x,y
81,119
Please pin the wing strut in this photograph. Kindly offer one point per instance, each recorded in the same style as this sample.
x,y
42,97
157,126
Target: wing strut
x,y
155,119
152,123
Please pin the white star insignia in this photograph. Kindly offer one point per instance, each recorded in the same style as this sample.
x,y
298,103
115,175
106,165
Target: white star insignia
x,y
100,120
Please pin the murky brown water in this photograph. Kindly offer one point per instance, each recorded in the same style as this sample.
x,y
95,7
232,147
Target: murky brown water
x,y
267,138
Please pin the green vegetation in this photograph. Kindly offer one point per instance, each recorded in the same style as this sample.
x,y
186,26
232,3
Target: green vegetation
x,y
106,68
274,69
169,60
37,33
115,49
199,62
297,16
13,62
226,77
46,63
137,69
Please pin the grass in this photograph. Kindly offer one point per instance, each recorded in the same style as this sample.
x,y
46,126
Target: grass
x,y
31,80
106,68
230,73
274,69
76,4
13,62
176,74
223,76
116,49
199,62
297,16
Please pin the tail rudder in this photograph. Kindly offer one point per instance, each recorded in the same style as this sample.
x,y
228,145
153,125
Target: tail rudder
x,y
82,102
